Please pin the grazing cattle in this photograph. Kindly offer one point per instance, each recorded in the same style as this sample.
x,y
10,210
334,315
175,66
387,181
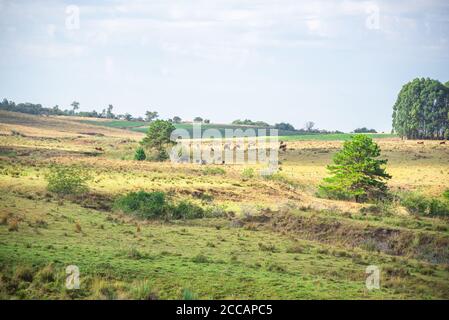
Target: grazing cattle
x,y
282,146
99,149
443,142
420,142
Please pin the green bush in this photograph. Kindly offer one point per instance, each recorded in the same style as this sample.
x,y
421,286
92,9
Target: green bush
x,y
248,173
149,205
438,207
140,154
415,203
446,194
186,210
421,205
143,204
67,180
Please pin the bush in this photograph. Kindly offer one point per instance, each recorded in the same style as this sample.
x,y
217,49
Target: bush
x,y
438,207
446,194
186,210
140,154
247,173
415,203
67,180
149,205
419,204
143,204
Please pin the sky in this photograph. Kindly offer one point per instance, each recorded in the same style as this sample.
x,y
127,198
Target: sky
x,y
339,64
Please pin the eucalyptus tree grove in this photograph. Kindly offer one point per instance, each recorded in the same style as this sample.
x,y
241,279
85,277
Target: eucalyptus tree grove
x,y
421,110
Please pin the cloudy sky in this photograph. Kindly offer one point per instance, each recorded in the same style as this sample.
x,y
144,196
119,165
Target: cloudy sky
x,y
337,63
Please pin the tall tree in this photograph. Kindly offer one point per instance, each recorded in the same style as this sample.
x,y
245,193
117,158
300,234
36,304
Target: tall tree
x,y
421,110
151,115
158,137
109,113
357,173
310,125
176,119
75,106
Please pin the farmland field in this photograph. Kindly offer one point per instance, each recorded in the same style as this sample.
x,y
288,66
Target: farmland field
x,y
261,237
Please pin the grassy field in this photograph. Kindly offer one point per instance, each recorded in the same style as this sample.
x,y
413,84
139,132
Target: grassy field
x,y
287,135
264,238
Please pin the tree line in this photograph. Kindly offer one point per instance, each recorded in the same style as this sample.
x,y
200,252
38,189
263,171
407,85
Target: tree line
x,y
421,110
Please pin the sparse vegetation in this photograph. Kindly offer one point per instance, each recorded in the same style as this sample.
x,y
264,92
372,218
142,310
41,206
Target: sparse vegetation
x,y
270,230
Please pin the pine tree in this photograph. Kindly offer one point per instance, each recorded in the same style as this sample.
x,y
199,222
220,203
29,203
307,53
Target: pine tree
x,y
357,173
140,154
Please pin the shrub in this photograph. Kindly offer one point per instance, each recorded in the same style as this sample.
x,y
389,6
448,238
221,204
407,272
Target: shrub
x,y
143,204
150,205
67,180
415,203
186,210
446,194
438,207
421,205
247,173
140,155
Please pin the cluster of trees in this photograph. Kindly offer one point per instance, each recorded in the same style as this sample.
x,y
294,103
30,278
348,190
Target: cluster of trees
x,y
249,122
38,109
421,110
364,130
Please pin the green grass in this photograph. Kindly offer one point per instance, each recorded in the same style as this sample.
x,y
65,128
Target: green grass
x,y
116,123
174,256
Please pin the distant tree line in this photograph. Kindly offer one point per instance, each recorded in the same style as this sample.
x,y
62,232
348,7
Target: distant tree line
x,y
364,130
421,110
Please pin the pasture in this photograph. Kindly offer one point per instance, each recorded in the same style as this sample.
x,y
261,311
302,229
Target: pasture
x,y
262,237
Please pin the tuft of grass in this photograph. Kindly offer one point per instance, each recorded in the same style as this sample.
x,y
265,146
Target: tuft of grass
x,y
267,247
200,258
143,290
46,274
104,290
24,273
187,294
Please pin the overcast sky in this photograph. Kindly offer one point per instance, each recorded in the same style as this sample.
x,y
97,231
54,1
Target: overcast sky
x,y
337,63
